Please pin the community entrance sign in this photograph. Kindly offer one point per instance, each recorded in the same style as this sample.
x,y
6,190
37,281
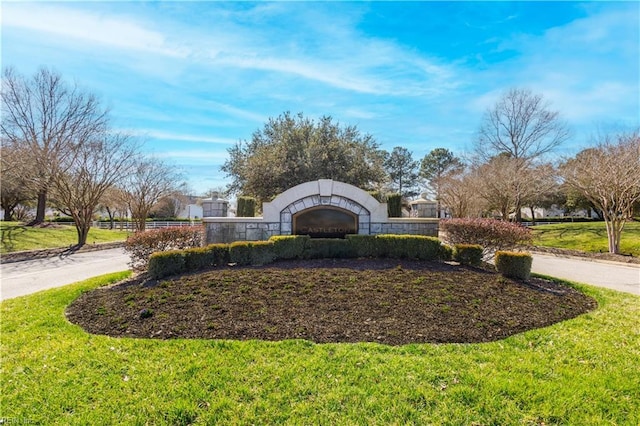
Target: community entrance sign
x,y
322,208
325,222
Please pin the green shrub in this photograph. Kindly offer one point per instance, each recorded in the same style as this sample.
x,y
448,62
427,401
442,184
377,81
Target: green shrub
x,y
425,248
289,246
164,263
514,264
409,247
333,248
391,245
240,252
394,205
246,207
262,253
206,257
446,252
468,254
197,258
220,253
251,252
364,245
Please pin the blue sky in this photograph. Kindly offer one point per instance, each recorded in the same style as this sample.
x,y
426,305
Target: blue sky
x,y
192,78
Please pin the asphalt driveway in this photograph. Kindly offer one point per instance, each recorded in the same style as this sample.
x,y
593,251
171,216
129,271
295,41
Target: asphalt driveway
x,y
21,278
30,276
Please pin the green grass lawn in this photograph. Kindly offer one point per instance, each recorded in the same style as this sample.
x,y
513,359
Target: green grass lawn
x,y
586,236
579,372
16,237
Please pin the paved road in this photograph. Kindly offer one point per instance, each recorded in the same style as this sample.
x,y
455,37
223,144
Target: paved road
x,y
615,276
30,276
27,277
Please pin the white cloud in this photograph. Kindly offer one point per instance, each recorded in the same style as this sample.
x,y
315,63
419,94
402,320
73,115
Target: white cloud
x,y
315,44
87,28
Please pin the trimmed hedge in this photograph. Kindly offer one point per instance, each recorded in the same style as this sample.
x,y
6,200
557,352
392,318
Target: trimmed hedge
x,y
240,253
320,248
290,246
468,254
252,252
206,257
244,253
409,247
514,264
262,253
364,245
165,263
446,252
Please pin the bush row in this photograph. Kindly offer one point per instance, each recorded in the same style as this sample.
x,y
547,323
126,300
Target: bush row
x,y
297,247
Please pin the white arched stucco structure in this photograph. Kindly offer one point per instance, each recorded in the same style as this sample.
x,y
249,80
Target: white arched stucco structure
x,y
324,193
278,215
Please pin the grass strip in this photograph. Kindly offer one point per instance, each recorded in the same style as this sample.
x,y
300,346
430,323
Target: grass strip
x,y
16,237
587,236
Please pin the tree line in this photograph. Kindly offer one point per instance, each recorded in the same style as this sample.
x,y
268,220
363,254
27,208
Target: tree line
x,y
59,148
508,172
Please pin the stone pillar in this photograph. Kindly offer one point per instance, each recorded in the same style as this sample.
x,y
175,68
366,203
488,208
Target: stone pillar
x,y
215,207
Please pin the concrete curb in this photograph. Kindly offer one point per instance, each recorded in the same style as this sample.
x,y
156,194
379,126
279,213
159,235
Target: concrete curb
x,y
20,256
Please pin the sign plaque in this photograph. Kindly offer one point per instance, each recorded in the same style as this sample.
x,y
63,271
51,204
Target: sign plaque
x,y
325,222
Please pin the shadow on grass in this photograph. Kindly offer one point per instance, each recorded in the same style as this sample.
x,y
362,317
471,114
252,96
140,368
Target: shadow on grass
x,y
9,232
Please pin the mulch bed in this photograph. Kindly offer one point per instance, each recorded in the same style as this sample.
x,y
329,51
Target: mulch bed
x,y
389,301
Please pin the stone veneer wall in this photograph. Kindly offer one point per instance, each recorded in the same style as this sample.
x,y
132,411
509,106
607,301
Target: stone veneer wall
x,y
278,214
412,226
230,229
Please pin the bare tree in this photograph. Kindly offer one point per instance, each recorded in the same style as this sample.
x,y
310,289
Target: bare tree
x,y
13,191
609,176
541,188
170,205
496,183
151,180
114,202
521,125
94,167
46,117
459,194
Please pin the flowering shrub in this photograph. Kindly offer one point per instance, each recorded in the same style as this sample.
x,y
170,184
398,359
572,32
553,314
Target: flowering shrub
x,y
142,245
492,235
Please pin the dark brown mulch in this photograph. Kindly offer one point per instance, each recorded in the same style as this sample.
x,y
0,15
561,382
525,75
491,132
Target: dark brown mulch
x,y
387,301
